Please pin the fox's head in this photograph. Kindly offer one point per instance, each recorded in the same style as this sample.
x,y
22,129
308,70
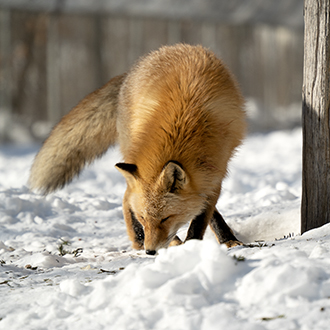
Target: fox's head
x,y
161,204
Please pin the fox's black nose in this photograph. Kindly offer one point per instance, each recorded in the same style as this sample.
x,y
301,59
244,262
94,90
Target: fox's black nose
x,y
151,252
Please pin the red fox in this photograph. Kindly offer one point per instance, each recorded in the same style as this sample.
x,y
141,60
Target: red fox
x,y
178,117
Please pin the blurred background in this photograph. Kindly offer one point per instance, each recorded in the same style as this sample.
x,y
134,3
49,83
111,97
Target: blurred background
x,y
55,52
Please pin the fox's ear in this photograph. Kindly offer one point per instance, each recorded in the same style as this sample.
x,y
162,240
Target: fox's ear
x,y
129,171
173,177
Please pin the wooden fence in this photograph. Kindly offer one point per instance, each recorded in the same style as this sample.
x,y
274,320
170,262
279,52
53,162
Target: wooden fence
x,y
49,61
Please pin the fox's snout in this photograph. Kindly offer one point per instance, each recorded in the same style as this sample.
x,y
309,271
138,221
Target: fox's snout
x,y
171,240
155,238
151,252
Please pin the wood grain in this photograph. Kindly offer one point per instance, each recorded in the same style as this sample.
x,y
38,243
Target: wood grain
x,y
315,209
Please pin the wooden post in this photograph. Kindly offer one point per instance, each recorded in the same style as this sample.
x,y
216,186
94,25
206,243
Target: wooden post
x,y
315,208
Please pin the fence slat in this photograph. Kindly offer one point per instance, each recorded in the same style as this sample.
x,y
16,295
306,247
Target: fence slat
x,y
5,75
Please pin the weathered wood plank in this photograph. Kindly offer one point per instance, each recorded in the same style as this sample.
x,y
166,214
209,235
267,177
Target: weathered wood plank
x,y
315,209
5,75
75,54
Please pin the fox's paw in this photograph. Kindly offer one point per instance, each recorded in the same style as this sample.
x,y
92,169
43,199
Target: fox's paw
x,y
137,246
231,244
176,241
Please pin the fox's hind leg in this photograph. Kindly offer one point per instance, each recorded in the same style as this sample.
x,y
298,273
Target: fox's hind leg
x,y
222,231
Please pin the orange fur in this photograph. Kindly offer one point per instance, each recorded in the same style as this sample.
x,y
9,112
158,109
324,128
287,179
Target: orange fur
x,y
178,117
181,103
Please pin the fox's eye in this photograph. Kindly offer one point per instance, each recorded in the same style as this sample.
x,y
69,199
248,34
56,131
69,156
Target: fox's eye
x,y
164,219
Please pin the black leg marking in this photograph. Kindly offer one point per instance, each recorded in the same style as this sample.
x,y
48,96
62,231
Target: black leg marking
x,y
138,229
197,226
221,229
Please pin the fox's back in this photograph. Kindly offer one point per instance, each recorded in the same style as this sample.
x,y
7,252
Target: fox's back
x,y
180,103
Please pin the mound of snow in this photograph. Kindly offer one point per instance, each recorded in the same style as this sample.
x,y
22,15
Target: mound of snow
x,y
66,261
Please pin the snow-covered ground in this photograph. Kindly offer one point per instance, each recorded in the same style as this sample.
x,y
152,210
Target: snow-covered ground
x,y
66,262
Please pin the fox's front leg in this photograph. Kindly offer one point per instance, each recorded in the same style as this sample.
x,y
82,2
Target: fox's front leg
x,y
222,231
134,228
198,225
176,241
136,233
218,225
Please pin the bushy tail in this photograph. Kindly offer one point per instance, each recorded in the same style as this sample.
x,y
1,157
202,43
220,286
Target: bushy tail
x,y
81,136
